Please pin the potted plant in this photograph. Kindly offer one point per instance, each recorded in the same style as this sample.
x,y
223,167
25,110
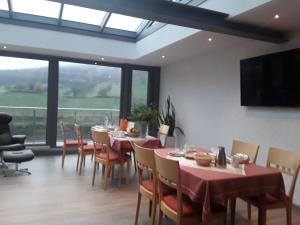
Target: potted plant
x,y
143,115
167,116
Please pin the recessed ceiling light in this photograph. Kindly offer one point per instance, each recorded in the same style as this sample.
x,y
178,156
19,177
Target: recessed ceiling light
x,y
163,56
5,47
210,39
102,59
276,16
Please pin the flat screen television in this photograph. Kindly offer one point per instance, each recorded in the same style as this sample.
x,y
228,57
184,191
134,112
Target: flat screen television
x,y
271,80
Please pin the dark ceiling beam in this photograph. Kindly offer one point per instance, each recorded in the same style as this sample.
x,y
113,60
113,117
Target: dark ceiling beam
x,y
182,15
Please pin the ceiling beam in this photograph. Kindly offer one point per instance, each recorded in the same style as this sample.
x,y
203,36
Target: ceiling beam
x,y
182,15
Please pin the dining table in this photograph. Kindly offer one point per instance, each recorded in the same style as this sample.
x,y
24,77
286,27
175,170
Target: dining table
x,y
207,185
123,143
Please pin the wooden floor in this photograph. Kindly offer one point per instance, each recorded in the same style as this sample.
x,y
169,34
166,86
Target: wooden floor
x,y
55,196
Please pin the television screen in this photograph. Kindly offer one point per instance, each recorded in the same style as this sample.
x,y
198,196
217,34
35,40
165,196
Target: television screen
x,y
271,80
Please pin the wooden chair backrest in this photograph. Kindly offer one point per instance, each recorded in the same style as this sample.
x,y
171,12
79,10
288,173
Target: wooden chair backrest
x,y
62,131
245,148
288,162
163,134
78,134
101,141
168,172
145,162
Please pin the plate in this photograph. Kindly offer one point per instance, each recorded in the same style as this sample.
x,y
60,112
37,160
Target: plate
x,y
176,154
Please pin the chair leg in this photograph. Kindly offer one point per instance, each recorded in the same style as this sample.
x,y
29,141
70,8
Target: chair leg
x,y
92,157
138,209
112,172
82,156
134,161
106,172
249,211
63,158
120,174
160,217
84,160
103,170
154,203
128,170
289,215
78,156
94,173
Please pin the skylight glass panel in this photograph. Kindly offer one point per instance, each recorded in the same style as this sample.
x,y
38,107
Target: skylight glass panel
x,y
3,5
37,7
82,15
122,22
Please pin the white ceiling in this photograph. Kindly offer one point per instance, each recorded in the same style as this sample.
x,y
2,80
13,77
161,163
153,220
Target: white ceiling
x,y
198,44
175,46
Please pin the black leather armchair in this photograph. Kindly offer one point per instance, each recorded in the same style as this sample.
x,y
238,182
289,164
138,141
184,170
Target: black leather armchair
x,y
7,141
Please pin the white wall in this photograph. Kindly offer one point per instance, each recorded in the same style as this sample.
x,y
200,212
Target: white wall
x,y
206,94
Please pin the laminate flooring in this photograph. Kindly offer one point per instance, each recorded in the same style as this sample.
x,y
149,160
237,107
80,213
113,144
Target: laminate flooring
x,y
56,196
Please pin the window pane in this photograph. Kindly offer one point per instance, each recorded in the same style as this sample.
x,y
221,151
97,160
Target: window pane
x,y
3,5
37,7
23,94
122,22
87,94
82,15
139,87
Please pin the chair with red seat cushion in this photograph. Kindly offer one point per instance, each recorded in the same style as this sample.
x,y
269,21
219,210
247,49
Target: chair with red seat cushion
x,y
69,144
288,162
177,207
107,157
146,187
83,149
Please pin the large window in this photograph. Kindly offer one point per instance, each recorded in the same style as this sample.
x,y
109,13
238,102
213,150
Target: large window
x,y
23,94
139,87
87,95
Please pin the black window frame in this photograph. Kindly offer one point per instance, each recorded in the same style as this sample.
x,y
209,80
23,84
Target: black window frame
x,y
126,84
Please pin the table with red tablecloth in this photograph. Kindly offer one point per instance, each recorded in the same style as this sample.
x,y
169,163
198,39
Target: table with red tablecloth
x,y
208,185
125,144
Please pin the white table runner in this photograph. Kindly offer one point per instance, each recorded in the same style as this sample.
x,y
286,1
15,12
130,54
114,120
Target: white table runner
x,y
192,163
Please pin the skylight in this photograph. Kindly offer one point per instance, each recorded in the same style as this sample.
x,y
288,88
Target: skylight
x,y
37,7
122,22
3,5
82,15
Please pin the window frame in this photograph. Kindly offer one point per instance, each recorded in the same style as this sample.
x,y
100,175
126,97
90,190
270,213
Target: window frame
x,y
126,83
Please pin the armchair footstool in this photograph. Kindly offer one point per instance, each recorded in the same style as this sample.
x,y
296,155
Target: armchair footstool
x,y
17,157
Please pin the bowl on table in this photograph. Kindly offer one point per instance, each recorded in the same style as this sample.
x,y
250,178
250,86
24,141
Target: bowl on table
x,y
133,132
203,159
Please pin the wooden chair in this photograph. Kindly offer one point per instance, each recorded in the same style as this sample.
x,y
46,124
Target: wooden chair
x,y
245,148
107,157
174,206
69,144
288,162
163,134
83,149
251,150
146,187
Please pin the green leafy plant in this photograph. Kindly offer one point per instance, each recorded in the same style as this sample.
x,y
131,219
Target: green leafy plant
x,y
143,112
167,116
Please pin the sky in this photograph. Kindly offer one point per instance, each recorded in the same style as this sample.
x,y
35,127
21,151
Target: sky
x,y
10,63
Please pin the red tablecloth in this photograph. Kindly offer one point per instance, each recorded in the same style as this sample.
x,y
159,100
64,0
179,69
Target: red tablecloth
x,y
124,145
208,187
